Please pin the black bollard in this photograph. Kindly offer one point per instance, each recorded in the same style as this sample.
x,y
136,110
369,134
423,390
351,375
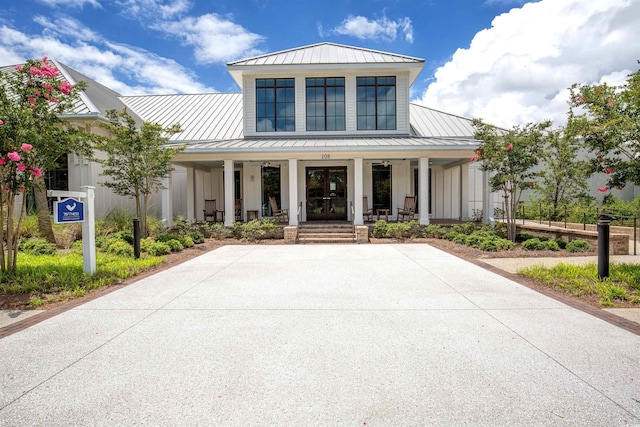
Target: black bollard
x,y
603,245
136,238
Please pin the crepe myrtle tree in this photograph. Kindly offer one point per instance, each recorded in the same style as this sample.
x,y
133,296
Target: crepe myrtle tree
x,y
564,172
33,97
510,157
136,159
32,137
608,119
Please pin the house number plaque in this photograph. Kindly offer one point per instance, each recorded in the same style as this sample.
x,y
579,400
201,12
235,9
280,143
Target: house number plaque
x,y
326,156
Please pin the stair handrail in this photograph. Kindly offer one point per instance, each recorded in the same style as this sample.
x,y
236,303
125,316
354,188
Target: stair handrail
x,y
353,213
299,212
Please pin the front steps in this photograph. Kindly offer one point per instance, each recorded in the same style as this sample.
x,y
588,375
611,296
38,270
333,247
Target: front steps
x,y
326,233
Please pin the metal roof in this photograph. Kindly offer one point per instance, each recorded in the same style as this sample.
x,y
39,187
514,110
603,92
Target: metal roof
x,y
202,117
432,123
337,144
326,53
327,56
94,101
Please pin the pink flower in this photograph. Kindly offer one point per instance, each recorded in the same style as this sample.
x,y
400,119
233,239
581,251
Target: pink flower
x,y
603,189
31,100
611,103
474,159
65,87
22,167
36,172
26,147
54,100
5,189
3,161
1,122
508,147
18,67
14,156
609,170
35,71
21,189
37,92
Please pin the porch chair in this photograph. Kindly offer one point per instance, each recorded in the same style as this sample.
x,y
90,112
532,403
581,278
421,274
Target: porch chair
x,y
281,215
366,210
238,209
409,208
210,211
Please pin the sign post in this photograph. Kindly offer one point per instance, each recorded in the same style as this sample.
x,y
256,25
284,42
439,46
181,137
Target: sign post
x,y
73,210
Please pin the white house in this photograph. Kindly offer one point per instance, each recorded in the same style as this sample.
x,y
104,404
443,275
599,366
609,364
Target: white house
x,y
318,128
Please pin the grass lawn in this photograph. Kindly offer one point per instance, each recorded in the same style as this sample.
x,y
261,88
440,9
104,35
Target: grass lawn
x,y
60,277
622,285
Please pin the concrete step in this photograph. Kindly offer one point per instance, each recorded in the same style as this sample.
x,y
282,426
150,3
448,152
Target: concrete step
x,y
325,233
327,239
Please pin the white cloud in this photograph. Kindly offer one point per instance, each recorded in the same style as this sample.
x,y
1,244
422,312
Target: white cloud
x,y
214,38
519,70
125,69
144,9
70,3
378,29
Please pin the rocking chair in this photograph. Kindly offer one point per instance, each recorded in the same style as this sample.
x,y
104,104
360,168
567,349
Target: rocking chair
x,y
210,211
281,215
409,208
366,210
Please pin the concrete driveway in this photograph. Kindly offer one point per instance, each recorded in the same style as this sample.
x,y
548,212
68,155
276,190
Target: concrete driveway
x,y
336,335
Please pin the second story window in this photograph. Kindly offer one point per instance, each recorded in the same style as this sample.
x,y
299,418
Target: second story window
x,y
376,97
275,105
325,104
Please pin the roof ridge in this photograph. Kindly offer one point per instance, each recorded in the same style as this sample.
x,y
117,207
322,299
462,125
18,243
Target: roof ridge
x,y
363,49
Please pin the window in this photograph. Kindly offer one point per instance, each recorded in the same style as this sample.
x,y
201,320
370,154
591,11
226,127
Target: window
x,y
275,105
325,104
381,176
270,188
376,97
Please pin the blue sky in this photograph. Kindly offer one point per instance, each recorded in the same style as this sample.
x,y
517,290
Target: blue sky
x,y
507,61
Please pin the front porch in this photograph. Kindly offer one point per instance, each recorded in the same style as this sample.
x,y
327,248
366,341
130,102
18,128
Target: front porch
x,y
323,190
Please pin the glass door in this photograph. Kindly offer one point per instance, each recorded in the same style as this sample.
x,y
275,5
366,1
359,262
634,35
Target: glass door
x,y
327,194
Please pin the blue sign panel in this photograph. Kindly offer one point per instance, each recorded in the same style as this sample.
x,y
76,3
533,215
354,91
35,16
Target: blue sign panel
x,y
68,210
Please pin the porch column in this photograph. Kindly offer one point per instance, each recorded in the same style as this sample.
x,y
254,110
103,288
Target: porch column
x,y
167,201
423,188
293,191
191,198
464,192
357,191
229,197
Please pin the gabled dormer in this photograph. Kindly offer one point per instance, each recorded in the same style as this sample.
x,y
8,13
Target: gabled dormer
x,y
326,89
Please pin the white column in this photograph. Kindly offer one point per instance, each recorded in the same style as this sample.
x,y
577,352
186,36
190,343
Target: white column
x,y
229,197
423,188
465,212
358,191
293,191
167,201
487,200
191,196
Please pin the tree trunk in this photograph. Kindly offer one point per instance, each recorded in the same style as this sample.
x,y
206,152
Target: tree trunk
x,y
42,210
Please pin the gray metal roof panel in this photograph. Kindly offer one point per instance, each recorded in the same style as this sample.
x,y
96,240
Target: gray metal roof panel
x,y
359,143
326,53
428,122
210,116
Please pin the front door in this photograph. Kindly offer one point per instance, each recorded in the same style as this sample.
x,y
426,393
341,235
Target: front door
x,y
327,193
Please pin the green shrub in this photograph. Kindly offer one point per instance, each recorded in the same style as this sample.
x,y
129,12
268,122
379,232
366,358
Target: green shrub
x,y
120,248
460,239
578,245
435,231
533,245
216,230
380,229
551,245
562,244
450,235
154,248
465,227
36,246
197,237
523,237
174,245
